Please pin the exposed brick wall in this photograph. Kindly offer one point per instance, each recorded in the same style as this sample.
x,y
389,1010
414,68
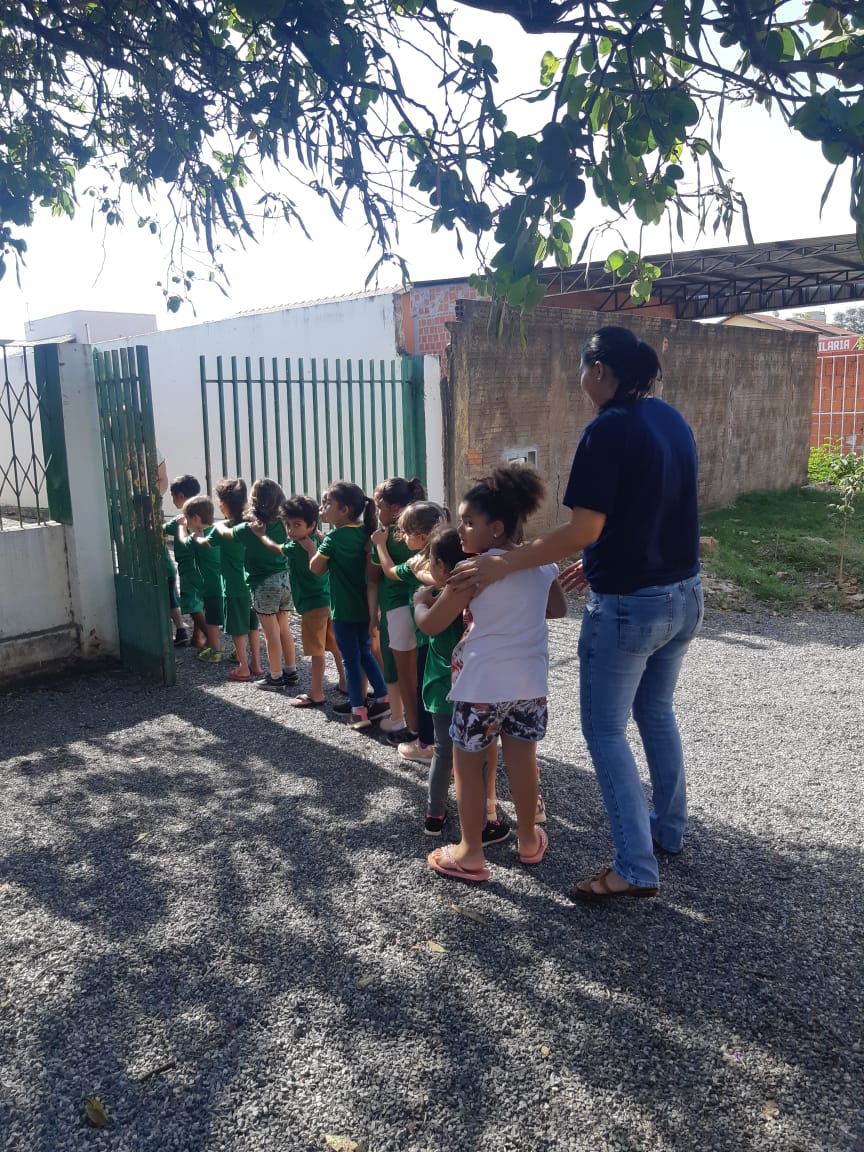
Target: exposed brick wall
x,y
433,307
838,403
746,393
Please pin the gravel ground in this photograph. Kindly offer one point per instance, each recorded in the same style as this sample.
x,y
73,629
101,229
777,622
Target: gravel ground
x,y
216,918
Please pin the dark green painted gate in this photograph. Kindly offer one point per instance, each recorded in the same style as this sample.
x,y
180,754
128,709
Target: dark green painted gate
x,y
135,511
307,423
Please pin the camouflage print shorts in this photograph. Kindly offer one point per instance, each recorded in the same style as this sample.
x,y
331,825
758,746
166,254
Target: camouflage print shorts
x,y
476,726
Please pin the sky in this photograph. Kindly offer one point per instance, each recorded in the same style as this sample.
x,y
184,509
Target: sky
x,y
70,264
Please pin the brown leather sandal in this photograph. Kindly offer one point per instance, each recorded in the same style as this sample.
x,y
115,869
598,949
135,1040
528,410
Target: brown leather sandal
x,y
597,890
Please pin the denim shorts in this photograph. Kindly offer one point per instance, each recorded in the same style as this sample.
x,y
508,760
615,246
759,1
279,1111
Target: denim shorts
x,y
477,726
272,595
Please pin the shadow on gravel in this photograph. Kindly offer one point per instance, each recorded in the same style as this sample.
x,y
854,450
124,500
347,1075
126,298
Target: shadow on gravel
x,y
838,629
241,914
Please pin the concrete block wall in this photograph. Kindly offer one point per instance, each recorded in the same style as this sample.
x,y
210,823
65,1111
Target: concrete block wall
x,y
747,395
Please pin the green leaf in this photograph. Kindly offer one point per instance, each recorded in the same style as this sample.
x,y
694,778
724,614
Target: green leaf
x,y
549,66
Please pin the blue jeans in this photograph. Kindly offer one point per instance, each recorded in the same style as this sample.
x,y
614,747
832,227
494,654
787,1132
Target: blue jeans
x,y
352,636
630,653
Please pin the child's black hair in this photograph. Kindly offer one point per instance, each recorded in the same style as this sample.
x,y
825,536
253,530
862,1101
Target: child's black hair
x,y
233,494
352,497
446,547
400,492
265,500
200,506
186,486
421,517
511,494
300,508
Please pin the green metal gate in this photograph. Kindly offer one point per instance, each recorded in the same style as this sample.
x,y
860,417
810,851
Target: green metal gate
x,y
135,511
307,423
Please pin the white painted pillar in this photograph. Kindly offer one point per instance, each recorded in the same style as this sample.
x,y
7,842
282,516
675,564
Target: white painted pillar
x,y
88,541
435,480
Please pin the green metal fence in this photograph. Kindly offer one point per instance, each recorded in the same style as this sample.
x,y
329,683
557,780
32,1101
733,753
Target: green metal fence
x,y
134,511
34,478
306,423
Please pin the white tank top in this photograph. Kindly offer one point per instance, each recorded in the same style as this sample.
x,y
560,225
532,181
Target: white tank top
x,y
505,653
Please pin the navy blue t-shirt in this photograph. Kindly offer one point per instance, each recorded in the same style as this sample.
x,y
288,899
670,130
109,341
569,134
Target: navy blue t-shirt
x,y
636,463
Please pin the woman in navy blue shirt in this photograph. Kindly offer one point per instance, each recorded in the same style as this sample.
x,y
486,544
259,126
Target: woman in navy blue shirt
x,y
633,509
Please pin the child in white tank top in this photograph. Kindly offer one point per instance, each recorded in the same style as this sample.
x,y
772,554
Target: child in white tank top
x,y
500,671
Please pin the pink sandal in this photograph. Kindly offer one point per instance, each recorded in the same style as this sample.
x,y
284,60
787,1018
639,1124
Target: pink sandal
x,y
239,677
444,863
537,856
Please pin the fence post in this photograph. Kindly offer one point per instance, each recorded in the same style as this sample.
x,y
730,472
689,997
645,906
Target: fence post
x,y
91,565
414,417
46,362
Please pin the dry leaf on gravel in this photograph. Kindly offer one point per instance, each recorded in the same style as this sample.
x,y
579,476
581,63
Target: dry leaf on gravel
x,y
429,946
95,1112
343,1143
770,1110
365,981
469,913
544,1051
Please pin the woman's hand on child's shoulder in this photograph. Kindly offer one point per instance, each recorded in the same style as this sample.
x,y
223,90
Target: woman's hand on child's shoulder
x,y
379,537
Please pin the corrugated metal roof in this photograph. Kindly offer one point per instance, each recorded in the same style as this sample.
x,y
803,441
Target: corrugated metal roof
x,y
314,303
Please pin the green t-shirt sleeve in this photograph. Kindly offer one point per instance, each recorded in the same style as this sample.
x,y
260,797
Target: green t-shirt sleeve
x,y
170,528
240,531
405,573
325,546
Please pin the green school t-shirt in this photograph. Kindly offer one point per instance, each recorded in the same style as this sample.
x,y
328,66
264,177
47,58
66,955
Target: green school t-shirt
x,y
408,580
209,563
392,593
308,591
233,553
345,549
260,562
184,556
437,677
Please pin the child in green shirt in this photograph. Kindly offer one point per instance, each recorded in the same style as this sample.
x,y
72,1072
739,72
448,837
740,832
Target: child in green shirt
x,y
311,594
193,529
183,488
267,577
343,554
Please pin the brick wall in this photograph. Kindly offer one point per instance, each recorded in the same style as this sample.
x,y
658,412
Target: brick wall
x,y
838,403
433,307
746,393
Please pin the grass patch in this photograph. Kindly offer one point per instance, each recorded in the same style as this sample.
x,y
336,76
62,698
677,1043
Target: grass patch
x,y
784,548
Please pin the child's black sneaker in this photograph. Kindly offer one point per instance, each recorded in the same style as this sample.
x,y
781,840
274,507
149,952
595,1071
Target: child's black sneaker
x,y
343,708
271,683
496,832
359,719
434,825
378,709
404,735
181,638
290,676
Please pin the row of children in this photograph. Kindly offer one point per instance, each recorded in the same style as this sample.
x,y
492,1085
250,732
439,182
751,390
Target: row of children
x,y
454,679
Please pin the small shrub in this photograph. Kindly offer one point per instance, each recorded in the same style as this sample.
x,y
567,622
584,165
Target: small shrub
x,y
820,464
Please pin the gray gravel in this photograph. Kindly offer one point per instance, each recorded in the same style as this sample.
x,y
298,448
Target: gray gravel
x,y
215,917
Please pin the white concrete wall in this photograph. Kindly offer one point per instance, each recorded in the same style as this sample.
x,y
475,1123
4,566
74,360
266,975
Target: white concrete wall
x,y
436,484
34,578
89,327
57,581
359,328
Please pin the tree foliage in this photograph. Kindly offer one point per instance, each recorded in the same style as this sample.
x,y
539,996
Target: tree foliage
x,y
210,100
852,319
